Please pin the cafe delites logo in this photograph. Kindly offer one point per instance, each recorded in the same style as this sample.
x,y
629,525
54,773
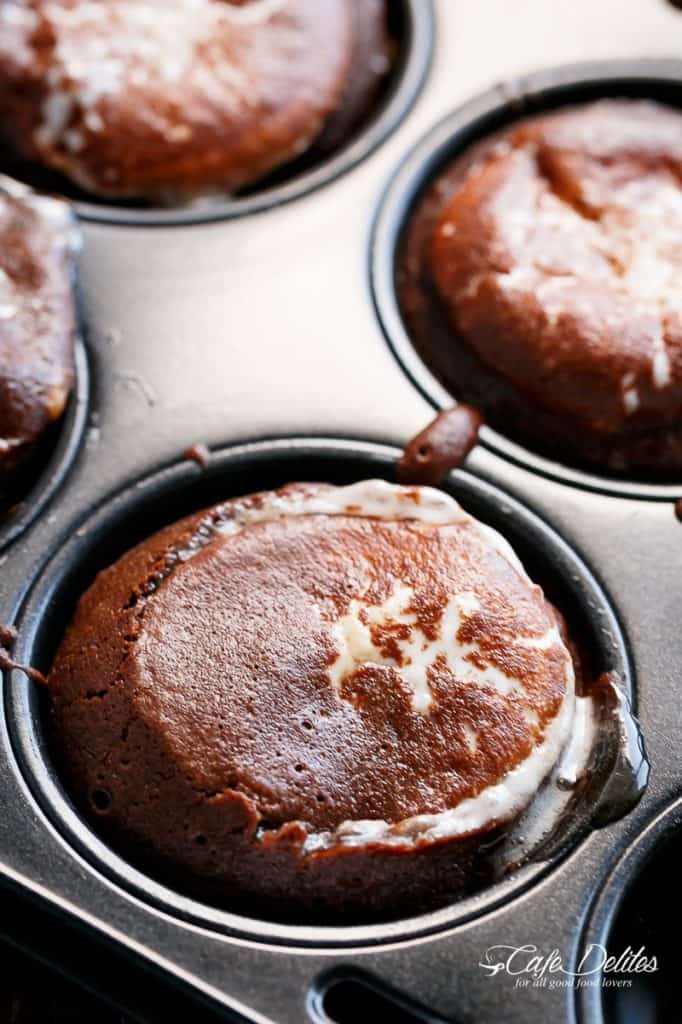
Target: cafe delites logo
x,y
528,966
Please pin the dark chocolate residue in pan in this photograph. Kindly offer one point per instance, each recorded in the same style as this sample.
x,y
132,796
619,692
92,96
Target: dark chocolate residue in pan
x,y
8,636
441,447
198,453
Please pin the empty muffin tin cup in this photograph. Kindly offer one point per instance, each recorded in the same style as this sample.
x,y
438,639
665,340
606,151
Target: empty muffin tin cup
x,y
412,27
477,119
637,910
618,767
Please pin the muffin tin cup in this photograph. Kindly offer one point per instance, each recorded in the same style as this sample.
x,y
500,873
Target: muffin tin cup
x,y
413,25
280,305
482,116
619,907
174,492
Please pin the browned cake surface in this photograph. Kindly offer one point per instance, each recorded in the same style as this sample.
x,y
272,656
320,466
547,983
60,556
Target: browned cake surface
x,y
37,321
159,98
223,711
554,250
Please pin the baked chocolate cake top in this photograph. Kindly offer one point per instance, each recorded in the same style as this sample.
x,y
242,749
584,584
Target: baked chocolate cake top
x,y
368,661
37,318
175,97
558,256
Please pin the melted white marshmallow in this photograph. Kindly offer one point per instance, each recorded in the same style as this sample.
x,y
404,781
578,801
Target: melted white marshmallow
x,y
369,499
353,637
498,803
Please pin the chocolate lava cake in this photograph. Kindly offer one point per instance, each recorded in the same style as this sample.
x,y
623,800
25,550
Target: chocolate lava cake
x,y
541,280
319,702
37,321
170,99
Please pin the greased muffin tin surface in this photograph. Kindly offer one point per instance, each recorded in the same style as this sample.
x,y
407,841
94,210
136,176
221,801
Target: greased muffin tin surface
x,y
263,326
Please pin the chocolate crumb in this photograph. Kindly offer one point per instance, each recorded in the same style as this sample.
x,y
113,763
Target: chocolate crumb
x,y
678,509
198,453
440,447
8,635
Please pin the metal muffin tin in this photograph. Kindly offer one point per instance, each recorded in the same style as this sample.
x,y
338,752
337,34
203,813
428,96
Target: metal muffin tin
x,y
265,330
